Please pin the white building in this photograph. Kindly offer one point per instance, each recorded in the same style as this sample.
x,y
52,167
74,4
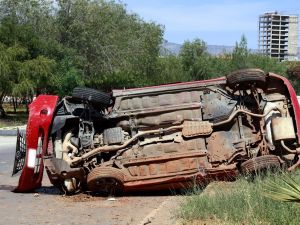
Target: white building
x,y
278,36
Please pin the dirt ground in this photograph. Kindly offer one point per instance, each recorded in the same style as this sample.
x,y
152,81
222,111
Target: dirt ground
x,y
48,206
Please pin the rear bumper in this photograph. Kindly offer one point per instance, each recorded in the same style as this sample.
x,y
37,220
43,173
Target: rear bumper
x,y
41,112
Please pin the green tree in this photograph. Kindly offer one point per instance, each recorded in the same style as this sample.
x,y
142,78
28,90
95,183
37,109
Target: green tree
x,y
219,65
24,68
194,58
109,42
240,54
170,70
6,74
77,42
266,63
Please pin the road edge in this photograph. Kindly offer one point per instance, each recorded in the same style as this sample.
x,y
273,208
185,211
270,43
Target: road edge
x,y
12,131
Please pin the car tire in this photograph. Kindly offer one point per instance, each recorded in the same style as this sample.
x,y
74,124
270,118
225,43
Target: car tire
x,y
106,181
91,95
245,78
260,164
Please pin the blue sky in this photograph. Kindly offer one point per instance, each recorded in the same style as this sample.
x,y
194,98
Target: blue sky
x,y
215,22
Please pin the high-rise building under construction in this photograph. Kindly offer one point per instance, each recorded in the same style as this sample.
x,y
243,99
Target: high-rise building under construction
x,y
278,35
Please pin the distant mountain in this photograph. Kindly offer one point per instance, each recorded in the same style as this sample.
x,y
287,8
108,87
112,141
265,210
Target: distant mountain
x,y
173,48
219,49
170,48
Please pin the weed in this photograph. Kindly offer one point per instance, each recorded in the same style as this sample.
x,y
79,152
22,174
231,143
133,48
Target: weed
x,y
283,189
241,202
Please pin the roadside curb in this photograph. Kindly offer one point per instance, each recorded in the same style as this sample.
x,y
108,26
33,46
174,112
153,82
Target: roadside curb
x,y
12,131
165,213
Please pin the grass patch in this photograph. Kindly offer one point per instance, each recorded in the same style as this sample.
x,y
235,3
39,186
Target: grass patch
x,y
20,118
12,118
241,202
9,109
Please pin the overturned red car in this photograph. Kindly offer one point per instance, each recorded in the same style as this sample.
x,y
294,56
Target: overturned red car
x,y
160,137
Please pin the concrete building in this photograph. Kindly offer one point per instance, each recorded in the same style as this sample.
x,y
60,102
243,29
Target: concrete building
x,y
278,36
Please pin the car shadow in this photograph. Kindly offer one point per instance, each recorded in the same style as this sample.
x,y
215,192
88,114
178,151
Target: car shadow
x,y
48,190
51,190
7,187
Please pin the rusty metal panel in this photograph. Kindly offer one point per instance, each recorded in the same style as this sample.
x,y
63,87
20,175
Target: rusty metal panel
x,y
193,162
216,106
196,128
188,86
125,104
167,99
172,166
133,170
136,103
162,168
184,97
153,169
153,101
171,117
157,149
185,164
149,101
168,164
220,146
144,171
195,96
176,166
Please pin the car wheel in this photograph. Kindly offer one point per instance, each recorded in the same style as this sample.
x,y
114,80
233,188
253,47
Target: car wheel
x,y
260,164
106,180
91,95
245,78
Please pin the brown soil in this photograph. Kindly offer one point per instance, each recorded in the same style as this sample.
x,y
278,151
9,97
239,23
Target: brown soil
x,y
81,197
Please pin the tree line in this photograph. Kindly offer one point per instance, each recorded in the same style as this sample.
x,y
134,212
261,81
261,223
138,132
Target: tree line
x,y
53,46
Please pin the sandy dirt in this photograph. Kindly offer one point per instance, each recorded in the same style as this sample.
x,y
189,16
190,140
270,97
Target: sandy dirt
x,y
48,206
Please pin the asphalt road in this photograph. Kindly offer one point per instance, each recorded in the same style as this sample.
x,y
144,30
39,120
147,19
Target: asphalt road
x,y
48,206
7,147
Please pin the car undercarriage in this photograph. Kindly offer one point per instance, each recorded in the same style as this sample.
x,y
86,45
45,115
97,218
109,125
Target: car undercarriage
x,y
171,136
